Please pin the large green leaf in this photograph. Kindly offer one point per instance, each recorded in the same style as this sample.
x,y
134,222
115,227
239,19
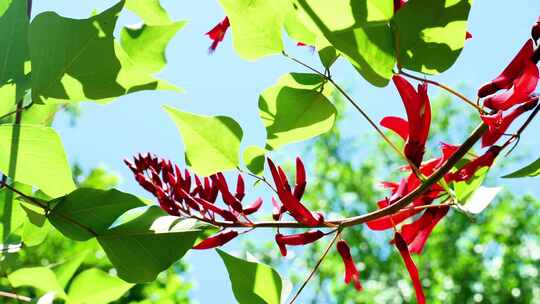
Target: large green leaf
x,y
359,30
480,199
530,170
41,278
36,228
431,33
146,44
94,286
212,143
65,271
143,247
14,46
12,216
80,60
295,109
34,155
252,282
94,209
150,11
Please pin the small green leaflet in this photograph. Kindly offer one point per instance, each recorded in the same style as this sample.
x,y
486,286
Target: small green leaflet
x,y
480,199
39,159
359,30
143,247
212,143
431,34
252,282
530,170
295,109
254,159
88,209
150,11
94,286
41,278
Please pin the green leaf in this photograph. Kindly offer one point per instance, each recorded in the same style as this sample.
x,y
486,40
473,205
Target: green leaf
x,y
14,46
141,248
254,159
328,56
34,155
431,33
85,62
295,109
360,31
480,199
146,44
65,271
90,209
12,216
252,282
94,286
464,189
150,11
212,143
530,170
41,278
37,227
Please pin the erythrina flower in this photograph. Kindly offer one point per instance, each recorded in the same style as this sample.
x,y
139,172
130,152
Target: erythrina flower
x,y
297,239
291,201
535,31
520,78
418,119
416,233
411,267
217,240
497,123
351,273
468,171
398,4
468,35
217,33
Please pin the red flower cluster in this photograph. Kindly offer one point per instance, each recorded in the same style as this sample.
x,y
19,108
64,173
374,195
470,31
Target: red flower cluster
x,y
184,194
217,33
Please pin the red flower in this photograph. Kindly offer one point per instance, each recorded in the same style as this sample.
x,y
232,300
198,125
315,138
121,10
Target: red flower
x,y
291,202
217,240
418,115
497,123
297,239
468,35
398,4
535,31
411,267
351,273
416,233
217,33
520,78
468,171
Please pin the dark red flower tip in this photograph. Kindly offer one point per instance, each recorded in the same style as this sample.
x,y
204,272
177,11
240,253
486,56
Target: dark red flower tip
x,y
297,239
253,207
520,78
468,171
351,272
277,210
416,233
300,185
290,202
399,4
228,198
498,124
217,240
418,111
468,35
411,267
217,33
535,30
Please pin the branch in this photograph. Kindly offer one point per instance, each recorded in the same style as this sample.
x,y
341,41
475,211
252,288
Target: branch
x,y
15,296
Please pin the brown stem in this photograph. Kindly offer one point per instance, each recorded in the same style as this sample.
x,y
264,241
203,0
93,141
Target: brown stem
x,y
314,270
15,296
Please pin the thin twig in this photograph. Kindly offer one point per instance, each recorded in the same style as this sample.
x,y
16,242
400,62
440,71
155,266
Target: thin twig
x,y
314,270
15,296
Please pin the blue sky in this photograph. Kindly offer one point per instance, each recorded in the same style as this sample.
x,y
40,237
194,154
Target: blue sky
x,y
224,84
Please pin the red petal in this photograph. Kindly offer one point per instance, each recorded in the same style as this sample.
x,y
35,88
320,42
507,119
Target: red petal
x,y
411,267
253,207
216,240
417,233
396,124
300,186
351,272
217,33
468,35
